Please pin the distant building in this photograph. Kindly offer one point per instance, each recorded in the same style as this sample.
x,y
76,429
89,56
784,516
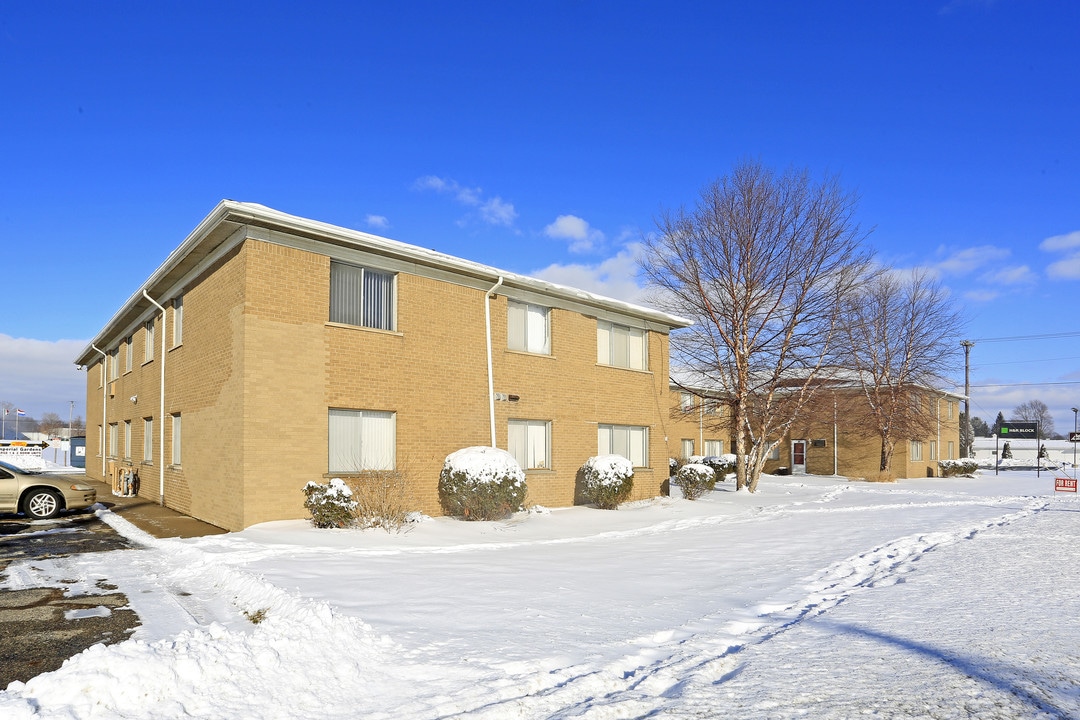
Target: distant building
x,y
295,350
830,436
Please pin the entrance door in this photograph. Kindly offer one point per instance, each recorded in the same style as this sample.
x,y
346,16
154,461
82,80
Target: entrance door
x,y
798,456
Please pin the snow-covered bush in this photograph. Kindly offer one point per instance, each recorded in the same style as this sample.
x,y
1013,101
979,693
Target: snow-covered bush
x,y
673,466
608,480
330,505
380,499
1006,452
720,464
952,468
481,483
695,479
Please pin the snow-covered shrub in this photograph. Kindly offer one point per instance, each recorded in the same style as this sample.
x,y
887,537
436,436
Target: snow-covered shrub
x,y
952,468
481,483
609,480
695,479
673,466
380,498
720,464
1006,452
330,505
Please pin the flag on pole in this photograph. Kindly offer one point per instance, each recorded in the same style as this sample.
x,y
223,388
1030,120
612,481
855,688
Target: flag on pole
x,y
19,412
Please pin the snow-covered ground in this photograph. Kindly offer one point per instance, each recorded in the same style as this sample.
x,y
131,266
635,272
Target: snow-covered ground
x,y
815,597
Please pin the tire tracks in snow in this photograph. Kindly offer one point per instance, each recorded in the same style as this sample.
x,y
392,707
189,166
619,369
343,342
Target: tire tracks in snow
x,y
671,664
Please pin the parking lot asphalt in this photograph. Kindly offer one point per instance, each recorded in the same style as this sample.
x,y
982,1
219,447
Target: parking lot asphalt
x,y
40,627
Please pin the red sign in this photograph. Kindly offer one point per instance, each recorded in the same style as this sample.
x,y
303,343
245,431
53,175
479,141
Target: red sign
x,y
1064,484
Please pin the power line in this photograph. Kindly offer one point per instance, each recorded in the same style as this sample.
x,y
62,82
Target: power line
x,y
1028,384
1045,336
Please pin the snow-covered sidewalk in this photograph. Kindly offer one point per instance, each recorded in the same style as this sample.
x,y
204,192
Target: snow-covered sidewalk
x,y
814,597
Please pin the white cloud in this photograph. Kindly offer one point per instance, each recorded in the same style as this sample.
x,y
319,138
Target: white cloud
x,y
40,376
615,277
492,211
582,237
1067,269
1020,275
982,296
967,260
377,221
498,212
1068,241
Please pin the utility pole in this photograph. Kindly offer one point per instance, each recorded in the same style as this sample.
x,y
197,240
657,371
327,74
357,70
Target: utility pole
x,y
967,390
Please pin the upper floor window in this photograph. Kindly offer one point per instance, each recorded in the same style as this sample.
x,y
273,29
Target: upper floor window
x,y
686,403
148,349
178,320
361,296
528,329
114,363
129,360
621,346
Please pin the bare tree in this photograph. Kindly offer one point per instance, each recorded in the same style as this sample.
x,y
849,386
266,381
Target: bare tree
x,y
763,265
51,423
1035,411
903,333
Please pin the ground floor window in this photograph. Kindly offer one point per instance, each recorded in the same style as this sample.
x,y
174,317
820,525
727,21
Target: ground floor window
x,y
529,441
687,448
933,450
630,441
148,439
113,430
916,450
952,451
176,439
714,448
127,439
361,440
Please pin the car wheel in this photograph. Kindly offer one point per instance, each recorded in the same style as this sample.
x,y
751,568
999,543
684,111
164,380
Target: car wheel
x,y
41,504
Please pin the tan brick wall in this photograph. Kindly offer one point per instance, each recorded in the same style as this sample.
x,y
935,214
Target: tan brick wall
x,y
260,366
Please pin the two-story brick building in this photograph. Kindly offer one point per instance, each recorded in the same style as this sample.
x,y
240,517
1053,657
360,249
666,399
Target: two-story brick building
x,y
269,350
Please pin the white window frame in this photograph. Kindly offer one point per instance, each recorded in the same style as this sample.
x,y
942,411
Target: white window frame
x,y
933,449
148,440
622,346
148,349
114,428
178,320
114,366
686,402
127,439
528,327
352,295
714,445
529,441
129,354
952,450
101,440
177,438
359,440
916,450
712,406
630,441
774,454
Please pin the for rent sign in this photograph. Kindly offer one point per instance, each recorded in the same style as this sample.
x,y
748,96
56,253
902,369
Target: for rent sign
x,y
1064,484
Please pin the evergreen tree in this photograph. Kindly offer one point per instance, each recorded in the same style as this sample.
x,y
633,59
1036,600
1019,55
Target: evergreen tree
x,y
996,430
979,426
1006,451
1043,453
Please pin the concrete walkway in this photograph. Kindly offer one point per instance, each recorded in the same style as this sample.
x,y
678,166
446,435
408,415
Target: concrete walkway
x,y
149,516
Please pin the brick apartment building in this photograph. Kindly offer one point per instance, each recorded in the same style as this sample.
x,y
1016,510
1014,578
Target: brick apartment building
x,y
830,436
269,350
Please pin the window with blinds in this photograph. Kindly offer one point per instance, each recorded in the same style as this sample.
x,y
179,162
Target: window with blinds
x,y
621,346
530,443
361,440
361,296
630,441
528,329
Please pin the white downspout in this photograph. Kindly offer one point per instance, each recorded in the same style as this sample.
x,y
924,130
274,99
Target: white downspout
x,y
161,409
104,389
491,376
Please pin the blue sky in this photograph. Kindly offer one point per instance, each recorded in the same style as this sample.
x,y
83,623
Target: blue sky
x,y
542,138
